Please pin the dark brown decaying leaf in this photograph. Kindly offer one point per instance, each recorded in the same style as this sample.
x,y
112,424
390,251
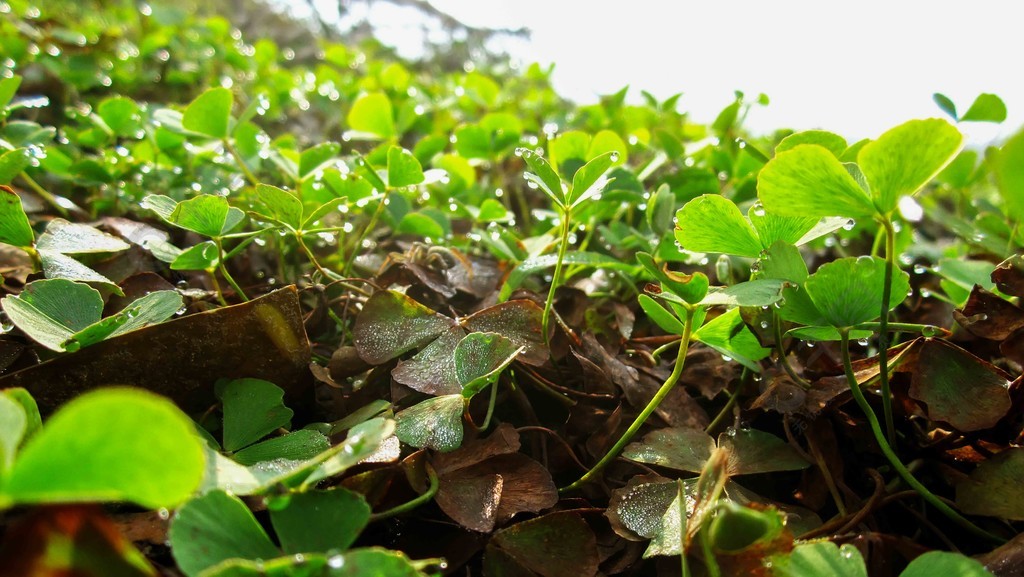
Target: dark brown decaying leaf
x,y
486,481
989,316
555,545
432,370
1007,560
994,487
181,359
958,387
391,324
1009,276
516,320
345,362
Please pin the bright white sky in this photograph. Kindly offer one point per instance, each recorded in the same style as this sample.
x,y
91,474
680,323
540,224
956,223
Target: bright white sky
x,y
856,68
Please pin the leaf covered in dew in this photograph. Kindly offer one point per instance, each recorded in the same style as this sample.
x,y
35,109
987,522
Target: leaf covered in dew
x,y
480,358
559,544
434,423
391,324
848,291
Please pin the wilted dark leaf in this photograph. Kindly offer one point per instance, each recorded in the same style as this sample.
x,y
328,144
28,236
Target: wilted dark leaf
x,y
555,545
994,487
181,359
989,316
958,387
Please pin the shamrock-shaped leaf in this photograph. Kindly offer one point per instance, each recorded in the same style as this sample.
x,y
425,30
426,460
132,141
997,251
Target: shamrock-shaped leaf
x,y
1009,171
480,358
281,205
372,116
213,528
691,288
907,157
207,214
434,423
12,163
808,181
847,291
72,238
253,408
317,157
748,451
210,113
14,226
72,458
403,168
828,140
63,315
729,335
319,520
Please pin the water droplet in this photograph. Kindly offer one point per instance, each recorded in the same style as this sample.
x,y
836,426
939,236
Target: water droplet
x,y
758,209
336,562
862,342
925,293
164,514
849,224
614,156
920,269
931,331
521,151
764,324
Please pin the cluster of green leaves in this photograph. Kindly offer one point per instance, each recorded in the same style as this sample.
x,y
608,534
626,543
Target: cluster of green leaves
x,y
116,111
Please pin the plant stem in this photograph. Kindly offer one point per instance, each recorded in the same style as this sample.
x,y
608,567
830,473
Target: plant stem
x,y
890,455
224,270
312,258
783,358
490,406
410,505
883,332
663,392
733,398
563,244
49,198
362,236
241,162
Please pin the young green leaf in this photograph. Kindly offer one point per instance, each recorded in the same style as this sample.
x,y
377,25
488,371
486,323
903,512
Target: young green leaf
x,y
13,425
403,168
713,223
121,115
736,529
253,408
316,157
847,291
72,238
661,316
1009,171
207,214
281,205
783,261
295,446
34,421
372,115
52,311
59,265
213,528
755,293
203,256
480,358
543,176
729,335
8,88
13,163
73,458
945,104
985,108
319,521
435,423
591,179
14,226
210,113
907,157
809,181
820,559
944,563
829,141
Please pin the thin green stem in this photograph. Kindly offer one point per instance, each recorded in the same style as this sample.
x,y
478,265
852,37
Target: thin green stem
x,y
685,565
490,406
224,271
733,399
926,330
312,258
890,455
240,161
49,198
362,236
410,505
656,353
663,392
883,332
783,358
563,244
